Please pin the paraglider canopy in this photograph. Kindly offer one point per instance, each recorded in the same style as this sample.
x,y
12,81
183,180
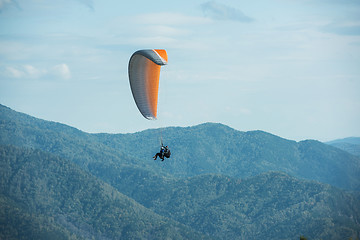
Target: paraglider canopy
x,y
144,75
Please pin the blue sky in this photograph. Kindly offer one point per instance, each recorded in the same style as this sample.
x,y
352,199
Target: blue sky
x,y
291,68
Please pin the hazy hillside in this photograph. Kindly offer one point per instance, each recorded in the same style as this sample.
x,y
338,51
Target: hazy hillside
x,y
82,148
351,145
352,140
268,206
45,190
216,148
206,148
19,223
219,182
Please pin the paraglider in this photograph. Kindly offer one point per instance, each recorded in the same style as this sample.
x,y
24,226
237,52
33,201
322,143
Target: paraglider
x,y
164,152
144,77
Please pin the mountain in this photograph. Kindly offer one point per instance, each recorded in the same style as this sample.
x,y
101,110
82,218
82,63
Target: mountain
x,y
351,145
271,205
219,183
52,197
352,140
206,148
216,148
19,223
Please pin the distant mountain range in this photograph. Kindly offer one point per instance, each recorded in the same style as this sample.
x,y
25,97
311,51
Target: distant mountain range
x,y
351,145
206,148
58,182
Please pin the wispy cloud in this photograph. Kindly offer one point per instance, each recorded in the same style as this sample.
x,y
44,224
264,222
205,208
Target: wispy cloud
x,y
13,72
348,28
5,3
24,71
59,71
87,3
220,11
163,28
337,2
169,18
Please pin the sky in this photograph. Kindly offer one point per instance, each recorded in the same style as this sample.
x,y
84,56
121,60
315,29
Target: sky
x,y
290,68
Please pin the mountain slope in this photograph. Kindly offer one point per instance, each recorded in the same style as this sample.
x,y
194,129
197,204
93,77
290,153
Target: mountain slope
x,y
215,148
18,223
75,201
70,202
351,145
206,148
352,140
268,206
82,148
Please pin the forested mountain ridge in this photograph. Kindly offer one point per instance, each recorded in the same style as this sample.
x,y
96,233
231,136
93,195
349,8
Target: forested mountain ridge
x,y
219,183
68,203
71,203
216,148
351,145
206,148
82,148
352,140
271,205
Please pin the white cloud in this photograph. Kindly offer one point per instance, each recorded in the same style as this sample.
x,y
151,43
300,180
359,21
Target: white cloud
x,y
24,71
13,72
87,3
169,18
4,2
32,72
60,71
220,11
166,30
154,40
343,28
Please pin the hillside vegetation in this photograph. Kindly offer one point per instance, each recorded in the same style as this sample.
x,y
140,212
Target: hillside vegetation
x,y
219,183
206,148
350,145
63,199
